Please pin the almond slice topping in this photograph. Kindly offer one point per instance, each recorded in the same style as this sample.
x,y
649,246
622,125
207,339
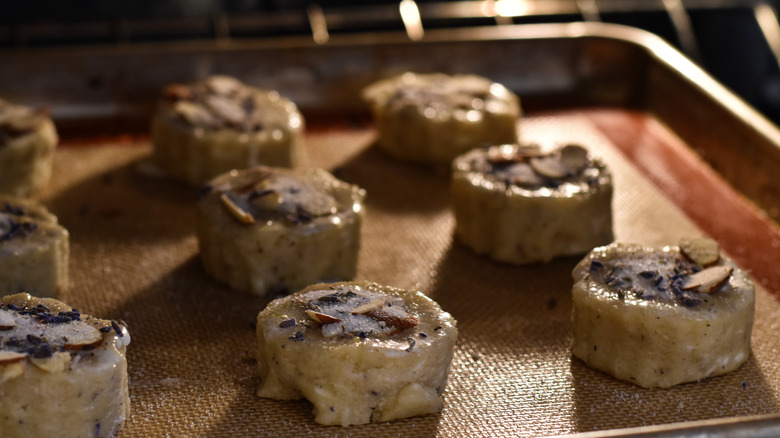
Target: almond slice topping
x,y
530,151
195,114
708,280
369,306
574,157
521,174
550,167
399,322
77,336
503,154
7,320
7,357
28,123
57,363
269,200
223,85
701,250
238,213
226,109
321,317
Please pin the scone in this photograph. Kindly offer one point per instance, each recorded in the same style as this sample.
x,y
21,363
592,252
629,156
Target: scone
x,y
27,142
34,249
359,352
522,204
210,127
274,230
62,373
657,317
433,118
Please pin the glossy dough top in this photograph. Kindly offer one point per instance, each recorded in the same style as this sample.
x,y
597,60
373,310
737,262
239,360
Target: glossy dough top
x,y
349,312
529,170
283,196
42,328
223,102
662,280
439,96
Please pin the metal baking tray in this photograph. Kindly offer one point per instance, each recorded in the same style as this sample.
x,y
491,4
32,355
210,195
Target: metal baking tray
x,y
680,139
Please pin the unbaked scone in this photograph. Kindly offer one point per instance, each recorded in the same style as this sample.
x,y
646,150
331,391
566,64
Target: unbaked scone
x,y
62,373
274,230
657,317
359,352
207,128
27,142
522,204
34,249
433,118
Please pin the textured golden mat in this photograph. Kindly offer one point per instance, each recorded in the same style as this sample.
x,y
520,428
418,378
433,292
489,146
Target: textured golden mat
x,y
192,361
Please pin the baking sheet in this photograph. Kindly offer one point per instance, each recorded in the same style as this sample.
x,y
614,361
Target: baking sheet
x,y
627,95
192,361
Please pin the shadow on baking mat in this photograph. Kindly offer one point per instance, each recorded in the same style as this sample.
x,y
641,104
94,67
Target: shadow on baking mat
x,y
253,416
192,352
395,185
465,282
603,402
119,203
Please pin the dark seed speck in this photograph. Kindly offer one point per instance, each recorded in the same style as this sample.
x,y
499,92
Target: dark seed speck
x,y
595,265
287,323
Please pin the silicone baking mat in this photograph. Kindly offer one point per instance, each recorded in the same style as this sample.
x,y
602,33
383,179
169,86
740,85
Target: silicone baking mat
x,y
192,359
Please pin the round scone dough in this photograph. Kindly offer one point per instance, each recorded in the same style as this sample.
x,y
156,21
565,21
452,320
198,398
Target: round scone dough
x,y
358,351
433,118
62,373
34,249
210,127
27,142
657,317
274,230
522,204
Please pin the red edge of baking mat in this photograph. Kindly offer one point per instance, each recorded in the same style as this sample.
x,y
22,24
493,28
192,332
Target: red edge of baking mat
x,y
742,229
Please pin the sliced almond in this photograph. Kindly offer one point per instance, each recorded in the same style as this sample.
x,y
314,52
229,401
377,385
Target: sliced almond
x,y
195,114
12,371
56,363
399,322
9,113
708,280
28,123
270,200
7,357
7,319
369,306
506,153
523,175
223,85
574,157
227,109
78,335
321,317
550,167
237,212
700,250
531,151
